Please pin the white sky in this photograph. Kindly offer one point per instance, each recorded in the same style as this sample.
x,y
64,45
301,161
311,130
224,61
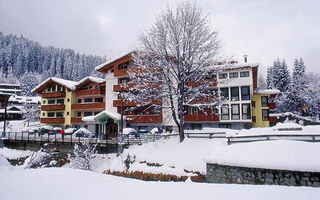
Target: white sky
x,y
262,29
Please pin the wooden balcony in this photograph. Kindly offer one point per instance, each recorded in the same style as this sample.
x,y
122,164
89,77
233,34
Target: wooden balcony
x,y
144,118
52,107
53,94
76,120
121,72
121,88
117,103
52,120
86,106
273,119
91,92
201,118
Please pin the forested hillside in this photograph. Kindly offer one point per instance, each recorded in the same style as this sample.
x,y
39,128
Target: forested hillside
x,y
21,58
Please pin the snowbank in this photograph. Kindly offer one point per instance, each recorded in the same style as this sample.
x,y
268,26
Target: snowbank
x,y
13,153
279,154
127,131
4,162
66,184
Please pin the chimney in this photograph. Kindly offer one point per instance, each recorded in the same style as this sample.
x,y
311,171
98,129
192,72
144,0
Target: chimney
x,y
245,58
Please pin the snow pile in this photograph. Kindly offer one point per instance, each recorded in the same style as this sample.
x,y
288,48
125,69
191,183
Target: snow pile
x,y
47,127
70,130
83,130
4,162
19,125
279,154
287,126
269,91
13,153
127,131
211,130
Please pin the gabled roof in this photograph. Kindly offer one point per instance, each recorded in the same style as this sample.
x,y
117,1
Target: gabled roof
x,y
89,79
106,65
66,83
106,113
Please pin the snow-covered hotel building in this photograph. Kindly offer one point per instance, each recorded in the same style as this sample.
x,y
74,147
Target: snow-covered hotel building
x,y
95,103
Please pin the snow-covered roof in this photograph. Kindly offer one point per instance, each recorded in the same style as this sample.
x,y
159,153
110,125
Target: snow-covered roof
x,y
24,99
91,78
9,84
238,65
97,68
268,91
67,83
88,119
111,114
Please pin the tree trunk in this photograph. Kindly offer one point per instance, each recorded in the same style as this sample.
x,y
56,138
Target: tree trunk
x,y
181,131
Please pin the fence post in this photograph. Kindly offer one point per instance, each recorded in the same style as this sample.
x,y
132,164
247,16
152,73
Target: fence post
x,y
21,136
313,139
55,138
229,141
34,137
9,135
267,137
40,139
15,136
48,137
210,135
28,136
71,139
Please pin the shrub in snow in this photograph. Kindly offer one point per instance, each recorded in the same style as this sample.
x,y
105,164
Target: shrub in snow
x,y
129,160
83,154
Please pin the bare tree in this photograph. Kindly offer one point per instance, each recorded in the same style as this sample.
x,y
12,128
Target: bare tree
x,y
174,68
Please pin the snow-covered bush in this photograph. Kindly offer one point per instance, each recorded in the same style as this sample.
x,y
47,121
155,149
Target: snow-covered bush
x,y
83,154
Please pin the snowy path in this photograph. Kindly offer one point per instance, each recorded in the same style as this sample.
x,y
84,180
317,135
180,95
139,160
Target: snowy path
x,y
65,183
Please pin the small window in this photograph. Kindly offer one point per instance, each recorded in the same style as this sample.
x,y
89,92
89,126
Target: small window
x,y
265,115
264,101
86,114
98,99
224,125
95,113
50,114
244,74
88,100
63,89
43,101
192,110
53,88
60,101
79,114
225,112
234,94
59,114
195,126
68,100
49,89
79,100
59,88
245,93
235,111
51,101
224,92
43,114
90,87
112,70
96,86
223,76
246,111
68,113
233,75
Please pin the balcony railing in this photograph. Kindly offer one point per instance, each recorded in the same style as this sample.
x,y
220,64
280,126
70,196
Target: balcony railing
x,y
121,72
84,106
144,118
90,92
201,117
52,120
52,107
53,94
117,103
121,88
76,120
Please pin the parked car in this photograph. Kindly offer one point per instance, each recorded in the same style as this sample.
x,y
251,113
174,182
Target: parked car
x,y
131,132
83,132
70,131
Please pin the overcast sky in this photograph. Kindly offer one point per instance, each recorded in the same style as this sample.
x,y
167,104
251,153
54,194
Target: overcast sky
x,y
262,29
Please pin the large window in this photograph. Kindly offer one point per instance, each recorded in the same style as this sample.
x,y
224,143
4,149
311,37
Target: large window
x,y
225,112
245,93
50,114
60,101
234,94
224,92
223,76
51,101
246,111
59,114
235,111
264,101
123,65
244,74
88,100
98,99
265,115
233,75
79,100
86,114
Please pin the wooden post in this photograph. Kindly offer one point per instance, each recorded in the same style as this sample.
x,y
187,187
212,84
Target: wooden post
x,y
48,137
34,138
22,136
28,136
15,136
71,139
313,138
229,141
55,138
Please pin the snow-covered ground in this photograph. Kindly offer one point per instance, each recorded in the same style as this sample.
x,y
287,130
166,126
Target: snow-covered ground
x,y
65,183
18,125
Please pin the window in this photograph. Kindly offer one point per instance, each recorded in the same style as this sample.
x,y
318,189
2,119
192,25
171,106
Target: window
x,y
67,113
112,70
235,111
79,100
98,99
53,88
246,111
264,101
49,90
95,113
59,88
50,114
88,100
123,66
86,114
78,114
123,80
233,75
192,110
96,86
63,89
43,114
224,92
68,100
223,76
225,112
60,101
265,115
43,101
59,114
244,74
245,93
196,126
51,101
234,94
224,125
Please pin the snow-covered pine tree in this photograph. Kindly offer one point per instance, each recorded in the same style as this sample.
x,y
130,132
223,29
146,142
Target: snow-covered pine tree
x,y
176,63
83,154
28,81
